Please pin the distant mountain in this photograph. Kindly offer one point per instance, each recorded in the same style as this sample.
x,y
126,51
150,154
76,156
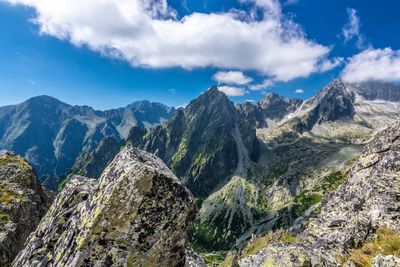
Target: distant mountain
x,y
52,134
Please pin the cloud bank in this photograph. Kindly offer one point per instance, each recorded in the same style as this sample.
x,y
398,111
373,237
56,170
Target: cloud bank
x,y
373,64
149,33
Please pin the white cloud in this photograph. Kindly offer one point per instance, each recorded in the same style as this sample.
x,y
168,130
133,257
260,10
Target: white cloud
x,y
231,77
232,90
172,91
373,64
352,29
261,86
299,91
148,33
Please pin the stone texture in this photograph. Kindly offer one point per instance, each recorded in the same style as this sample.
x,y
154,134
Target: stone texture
x,y
23,202
288,255
370,198
135,215
386,261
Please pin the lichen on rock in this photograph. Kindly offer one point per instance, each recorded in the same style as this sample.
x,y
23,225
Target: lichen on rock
x,y
134,215
23,202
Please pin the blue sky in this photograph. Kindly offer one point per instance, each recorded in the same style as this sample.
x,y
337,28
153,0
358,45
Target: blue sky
x,y
106,69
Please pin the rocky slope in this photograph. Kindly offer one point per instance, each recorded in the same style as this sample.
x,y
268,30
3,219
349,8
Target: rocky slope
x,y
52,134
23,202
358,224
135,215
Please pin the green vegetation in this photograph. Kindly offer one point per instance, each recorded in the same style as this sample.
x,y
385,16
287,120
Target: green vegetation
x,y
309,198
304,201
205,237
64,181
274,172
278,236
215,258
387,242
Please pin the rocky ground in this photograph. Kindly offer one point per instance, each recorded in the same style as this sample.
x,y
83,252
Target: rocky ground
x,y
23,202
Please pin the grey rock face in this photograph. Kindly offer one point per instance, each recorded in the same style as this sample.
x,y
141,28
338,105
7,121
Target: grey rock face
x,y
386,261
370,198
288,255
193,259
134,215
23,202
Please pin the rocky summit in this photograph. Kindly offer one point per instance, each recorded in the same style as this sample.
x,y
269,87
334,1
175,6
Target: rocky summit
x,y
23,202
134,215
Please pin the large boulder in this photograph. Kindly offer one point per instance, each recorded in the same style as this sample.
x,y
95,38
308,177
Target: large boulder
x,y
23,202
134,215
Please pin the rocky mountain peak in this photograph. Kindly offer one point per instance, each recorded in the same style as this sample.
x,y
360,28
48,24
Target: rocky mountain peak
x,y
134,215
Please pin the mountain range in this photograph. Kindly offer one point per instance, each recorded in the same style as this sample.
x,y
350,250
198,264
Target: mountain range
x,y
257,167
254,169
52,134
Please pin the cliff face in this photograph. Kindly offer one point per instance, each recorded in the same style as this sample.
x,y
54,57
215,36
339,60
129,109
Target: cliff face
x,y
23,202
134,215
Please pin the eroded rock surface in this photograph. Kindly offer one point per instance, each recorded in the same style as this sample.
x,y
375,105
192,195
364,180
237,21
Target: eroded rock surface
x,y
23,202
369,200
134,215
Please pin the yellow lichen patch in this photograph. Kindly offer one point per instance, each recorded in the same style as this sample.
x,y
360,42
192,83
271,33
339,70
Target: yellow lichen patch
x,y
228,262
4,217
387,242
279,236
8,195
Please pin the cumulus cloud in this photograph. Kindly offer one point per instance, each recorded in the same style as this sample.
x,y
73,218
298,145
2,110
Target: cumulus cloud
x,y
299,91
232,90
231,77
261,86
352,29
373,64
149,33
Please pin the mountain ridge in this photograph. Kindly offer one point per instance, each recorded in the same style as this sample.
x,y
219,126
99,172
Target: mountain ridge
x,y
52,134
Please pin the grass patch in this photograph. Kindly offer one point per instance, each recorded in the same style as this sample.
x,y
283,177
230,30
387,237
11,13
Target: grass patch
x,y
304,201
214,258
387,242
278,236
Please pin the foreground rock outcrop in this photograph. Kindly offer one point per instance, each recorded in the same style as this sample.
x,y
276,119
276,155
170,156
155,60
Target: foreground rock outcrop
x,y
134,215
23,202
364,210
